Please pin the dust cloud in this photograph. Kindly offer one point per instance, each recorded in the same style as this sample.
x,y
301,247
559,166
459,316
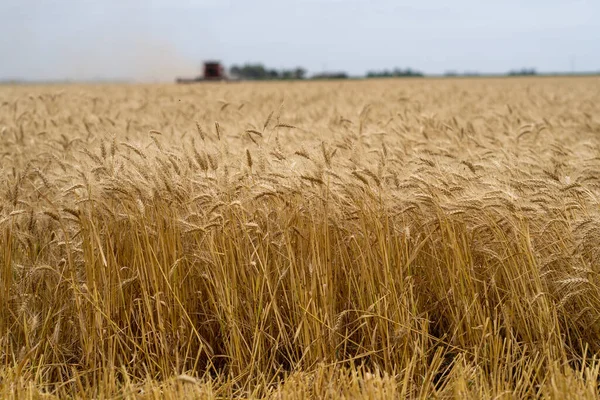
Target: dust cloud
x,y
136,59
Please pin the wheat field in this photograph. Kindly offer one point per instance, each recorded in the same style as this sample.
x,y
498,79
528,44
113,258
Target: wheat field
x,y
428,238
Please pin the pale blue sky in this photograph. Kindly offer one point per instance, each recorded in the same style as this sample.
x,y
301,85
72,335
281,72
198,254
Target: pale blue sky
x,y
149,40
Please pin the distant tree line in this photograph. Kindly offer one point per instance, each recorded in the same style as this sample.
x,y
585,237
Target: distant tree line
x,y
331,75
514,72
397,72
260,72
257,71
522,72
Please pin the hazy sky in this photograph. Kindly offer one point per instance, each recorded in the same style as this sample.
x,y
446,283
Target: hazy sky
x,y
158,39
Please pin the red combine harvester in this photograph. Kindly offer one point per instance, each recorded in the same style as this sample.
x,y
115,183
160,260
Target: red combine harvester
x,y
212,71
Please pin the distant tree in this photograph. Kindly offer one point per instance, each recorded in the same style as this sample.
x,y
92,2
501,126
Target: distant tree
x,y
255,71
235,70
299,73
249,71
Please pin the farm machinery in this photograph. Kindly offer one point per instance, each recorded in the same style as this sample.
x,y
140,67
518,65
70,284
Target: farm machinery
x,y
212,71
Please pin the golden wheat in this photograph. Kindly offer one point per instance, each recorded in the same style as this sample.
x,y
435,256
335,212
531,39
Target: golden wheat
x,y
376,239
